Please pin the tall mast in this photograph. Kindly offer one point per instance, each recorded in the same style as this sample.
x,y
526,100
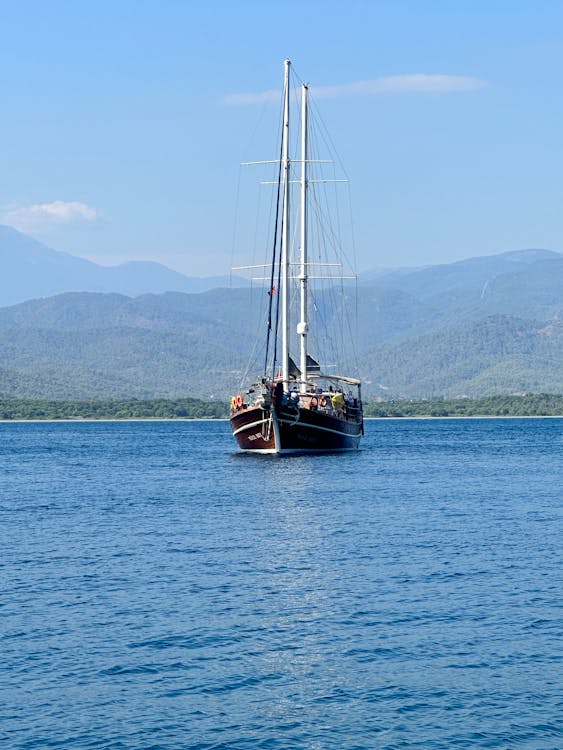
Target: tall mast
x,y
302,326
285,231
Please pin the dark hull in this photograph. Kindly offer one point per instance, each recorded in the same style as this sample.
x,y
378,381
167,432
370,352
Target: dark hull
x,y
253,430
294,430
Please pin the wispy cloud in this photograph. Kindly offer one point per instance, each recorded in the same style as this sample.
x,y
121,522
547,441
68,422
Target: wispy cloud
x,y
44,216
416,83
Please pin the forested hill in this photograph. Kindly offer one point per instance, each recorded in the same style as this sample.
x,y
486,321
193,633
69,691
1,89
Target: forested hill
x,y
497,354
448,334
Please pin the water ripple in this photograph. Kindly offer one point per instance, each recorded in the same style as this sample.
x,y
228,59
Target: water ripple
x,y
161,592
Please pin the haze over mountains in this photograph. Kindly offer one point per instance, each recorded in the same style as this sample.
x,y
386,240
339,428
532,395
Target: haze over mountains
x,y
476,327
30,269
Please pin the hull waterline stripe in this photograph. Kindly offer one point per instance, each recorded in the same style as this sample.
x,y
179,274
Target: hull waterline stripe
x,y
286,451
261,451
317,450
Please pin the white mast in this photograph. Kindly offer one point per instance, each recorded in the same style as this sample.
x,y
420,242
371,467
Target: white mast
x,y
302,326
285,232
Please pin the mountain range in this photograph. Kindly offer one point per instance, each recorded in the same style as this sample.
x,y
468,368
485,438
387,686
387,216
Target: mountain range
x,y
30,269
481,326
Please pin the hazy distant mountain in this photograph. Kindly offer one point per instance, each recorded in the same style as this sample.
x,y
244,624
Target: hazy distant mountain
x,y
29,269
473,274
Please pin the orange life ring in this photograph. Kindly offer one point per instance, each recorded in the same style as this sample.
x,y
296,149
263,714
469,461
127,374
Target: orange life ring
x,y
239,401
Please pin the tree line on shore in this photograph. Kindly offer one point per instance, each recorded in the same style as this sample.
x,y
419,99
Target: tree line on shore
x,y
112,408
529,405
539,404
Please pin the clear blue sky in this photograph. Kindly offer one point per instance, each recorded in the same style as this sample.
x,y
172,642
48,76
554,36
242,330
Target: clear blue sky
x,y
118,142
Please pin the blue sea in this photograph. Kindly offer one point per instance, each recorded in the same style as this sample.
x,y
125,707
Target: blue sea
x,y
161,591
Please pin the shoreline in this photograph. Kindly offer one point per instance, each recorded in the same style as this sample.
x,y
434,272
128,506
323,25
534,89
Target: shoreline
x,y
78,420
471,416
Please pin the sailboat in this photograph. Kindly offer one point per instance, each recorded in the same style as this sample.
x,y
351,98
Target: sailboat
x,y
304,408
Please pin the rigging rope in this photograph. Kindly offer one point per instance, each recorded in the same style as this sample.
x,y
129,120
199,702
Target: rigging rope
x,y
272,274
